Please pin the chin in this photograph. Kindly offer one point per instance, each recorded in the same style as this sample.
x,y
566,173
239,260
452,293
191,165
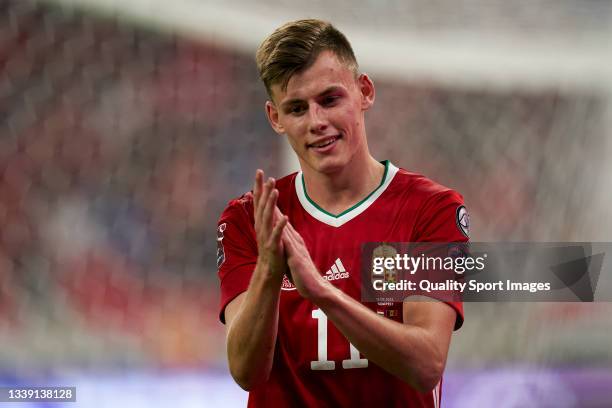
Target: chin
x,y
329,166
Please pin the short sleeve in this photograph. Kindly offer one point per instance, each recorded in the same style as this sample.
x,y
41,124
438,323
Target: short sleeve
x,y
236,250
443,218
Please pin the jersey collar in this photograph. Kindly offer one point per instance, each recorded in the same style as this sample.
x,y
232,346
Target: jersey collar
x,y
338,220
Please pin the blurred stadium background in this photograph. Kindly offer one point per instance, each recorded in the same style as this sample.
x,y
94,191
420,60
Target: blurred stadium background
x,y
126,126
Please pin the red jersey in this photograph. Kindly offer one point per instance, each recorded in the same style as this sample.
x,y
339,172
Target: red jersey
x,y
314,364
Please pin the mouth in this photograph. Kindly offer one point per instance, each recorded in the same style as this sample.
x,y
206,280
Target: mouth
x,y
326,142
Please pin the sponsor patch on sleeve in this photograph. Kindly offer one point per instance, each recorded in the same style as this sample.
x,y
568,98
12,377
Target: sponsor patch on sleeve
x,y
463,220
220,250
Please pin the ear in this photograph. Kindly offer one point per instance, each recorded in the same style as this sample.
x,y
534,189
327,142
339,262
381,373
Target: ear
x,y
272,114
368,92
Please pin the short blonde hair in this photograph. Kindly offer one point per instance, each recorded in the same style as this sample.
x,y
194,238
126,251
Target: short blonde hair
x,y
295,46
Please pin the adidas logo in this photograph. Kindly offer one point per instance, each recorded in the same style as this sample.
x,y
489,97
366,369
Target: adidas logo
x,y
336,271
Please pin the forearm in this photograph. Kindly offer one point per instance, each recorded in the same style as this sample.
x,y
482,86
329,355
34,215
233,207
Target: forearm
x,y
252,333
408,351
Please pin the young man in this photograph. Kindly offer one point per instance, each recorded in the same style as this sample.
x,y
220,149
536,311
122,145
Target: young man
x,y
289,252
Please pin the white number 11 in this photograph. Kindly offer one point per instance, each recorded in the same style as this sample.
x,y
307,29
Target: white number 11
x,y
322,362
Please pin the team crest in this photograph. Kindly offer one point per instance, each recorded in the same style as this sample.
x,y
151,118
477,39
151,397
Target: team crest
x,y
463,221
385,251
220,250
287,285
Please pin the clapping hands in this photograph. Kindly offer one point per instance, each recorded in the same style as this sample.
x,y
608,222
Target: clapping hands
x,y
281,248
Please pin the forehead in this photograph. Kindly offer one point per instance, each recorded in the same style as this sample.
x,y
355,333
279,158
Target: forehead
x,y
326,71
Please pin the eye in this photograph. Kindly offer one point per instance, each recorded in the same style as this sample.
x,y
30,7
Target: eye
x,y
330,100
296,109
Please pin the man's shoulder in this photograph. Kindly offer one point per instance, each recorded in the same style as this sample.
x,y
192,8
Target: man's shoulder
x,y
238,209
416,185
439,211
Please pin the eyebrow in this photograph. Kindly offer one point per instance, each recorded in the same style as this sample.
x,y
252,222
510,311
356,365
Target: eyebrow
x,y
326,91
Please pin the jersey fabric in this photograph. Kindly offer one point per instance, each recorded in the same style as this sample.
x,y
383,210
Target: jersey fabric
x,y
314,364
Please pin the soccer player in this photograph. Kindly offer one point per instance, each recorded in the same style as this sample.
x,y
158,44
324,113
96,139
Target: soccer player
x,y
289,251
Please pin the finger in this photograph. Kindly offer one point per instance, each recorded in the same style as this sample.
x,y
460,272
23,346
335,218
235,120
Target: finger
x,y
291,231
278,214
268,186
286,233
295,236
289,238
278,230
290,227
287,241
257,186
269,209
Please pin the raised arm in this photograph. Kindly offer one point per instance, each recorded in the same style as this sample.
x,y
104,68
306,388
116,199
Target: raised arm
x,y
252,317
414,350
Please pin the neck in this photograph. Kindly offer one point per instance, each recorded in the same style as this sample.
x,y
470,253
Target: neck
x,y
338,191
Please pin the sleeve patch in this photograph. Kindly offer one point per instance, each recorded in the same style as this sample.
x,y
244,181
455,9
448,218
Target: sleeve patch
x,y
220,250
463,220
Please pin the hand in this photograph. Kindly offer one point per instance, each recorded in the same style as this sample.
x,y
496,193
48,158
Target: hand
x,y
306,277
269,225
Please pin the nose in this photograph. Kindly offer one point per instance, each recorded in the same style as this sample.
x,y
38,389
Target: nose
x,y
317,119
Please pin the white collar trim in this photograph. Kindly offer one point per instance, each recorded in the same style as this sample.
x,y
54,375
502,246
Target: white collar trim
x,y
337,221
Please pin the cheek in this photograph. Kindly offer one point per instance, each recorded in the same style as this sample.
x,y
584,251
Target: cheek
x,y
295,130
351,118
289,124
293,142
294,137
